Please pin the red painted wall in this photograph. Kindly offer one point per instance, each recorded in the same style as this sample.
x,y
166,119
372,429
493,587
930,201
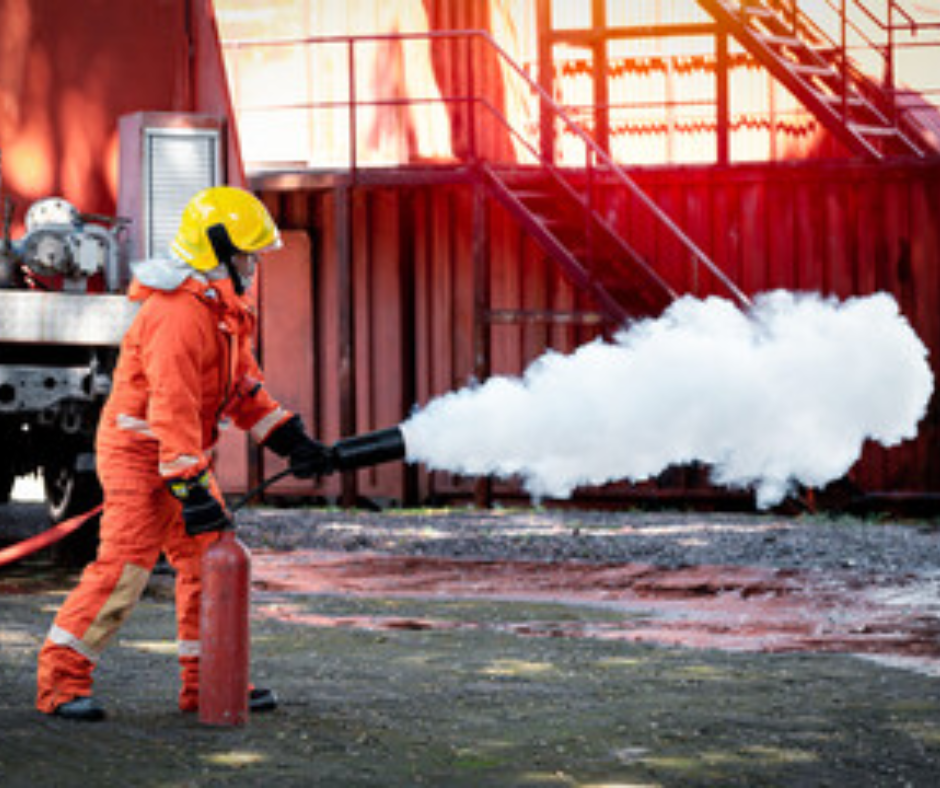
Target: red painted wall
x,y
836,228
69,70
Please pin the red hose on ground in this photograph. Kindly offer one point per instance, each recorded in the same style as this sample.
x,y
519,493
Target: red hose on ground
x,y
35,543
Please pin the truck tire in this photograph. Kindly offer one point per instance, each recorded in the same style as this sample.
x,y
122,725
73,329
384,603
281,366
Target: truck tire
x,y
70,493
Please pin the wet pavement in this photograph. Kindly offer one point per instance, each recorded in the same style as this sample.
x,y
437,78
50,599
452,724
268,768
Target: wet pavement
x,y
724,607
429,669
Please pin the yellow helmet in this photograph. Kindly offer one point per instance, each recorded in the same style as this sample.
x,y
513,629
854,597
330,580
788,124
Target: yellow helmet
x,y
225,217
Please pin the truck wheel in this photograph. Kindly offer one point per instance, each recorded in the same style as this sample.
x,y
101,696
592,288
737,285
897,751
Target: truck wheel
x,y
70,493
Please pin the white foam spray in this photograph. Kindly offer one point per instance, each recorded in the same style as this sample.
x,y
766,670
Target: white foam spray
x,y
786,393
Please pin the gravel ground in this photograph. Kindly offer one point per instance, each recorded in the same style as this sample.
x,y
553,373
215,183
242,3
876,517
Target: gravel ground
x,y
664,539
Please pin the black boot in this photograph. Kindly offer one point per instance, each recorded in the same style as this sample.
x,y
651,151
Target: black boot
x,y
83,709
260,700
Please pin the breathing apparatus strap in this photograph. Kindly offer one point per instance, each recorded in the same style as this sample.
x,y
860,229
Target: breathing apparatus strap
x,y
225,250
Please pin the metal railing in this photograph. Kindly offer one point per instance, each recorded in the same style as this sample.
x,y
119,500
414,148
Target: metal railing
x,y
481,129
854,42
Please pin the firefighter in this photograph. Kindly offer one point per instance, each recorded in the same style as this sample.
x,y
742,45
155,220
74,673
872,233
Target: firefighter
x,y
185,367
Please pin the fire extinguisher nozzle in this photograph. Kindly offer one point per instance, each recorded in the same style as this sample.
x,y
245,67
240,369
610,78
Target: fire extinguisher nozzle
x,y
373,448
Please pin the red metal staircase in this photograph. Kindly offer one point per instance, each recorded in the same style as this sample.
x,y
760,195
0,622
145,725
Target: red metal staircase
x,y
562,210
594,255
583,216
817,71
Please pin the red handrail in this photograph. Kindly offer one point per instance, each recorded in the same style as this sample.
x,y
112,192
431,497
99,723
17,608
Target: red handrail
x,y
595,156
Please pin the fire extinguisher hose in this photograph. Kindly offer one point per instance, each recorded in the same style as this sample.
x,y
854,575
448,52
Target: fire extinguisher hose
x,y
48,537
240,503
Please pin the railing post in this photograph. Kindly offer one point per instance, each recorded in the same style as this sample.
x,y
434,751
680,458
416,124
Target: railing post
x,y
546,79
844,19
483,489
889,65
471,101
344,217
723,100
353,158
589,217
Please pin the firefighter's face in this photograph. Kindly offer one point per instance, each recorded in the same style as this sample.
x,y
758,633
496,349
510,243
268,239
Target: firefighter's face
x,y
245,264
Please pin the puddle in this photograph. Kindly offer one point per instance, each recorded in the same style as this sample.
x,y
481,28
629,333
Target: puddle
x,y
725,607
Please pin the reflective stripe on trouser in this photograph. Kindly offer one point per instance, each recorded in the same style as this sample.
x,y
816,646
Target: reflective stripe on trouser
x,y
140,519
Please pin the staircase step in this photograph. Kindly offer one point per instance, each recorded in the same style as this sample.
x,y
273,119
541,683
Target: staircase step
x,y
757,10
832,98
850,111
874,131
813,71
781,41
529,194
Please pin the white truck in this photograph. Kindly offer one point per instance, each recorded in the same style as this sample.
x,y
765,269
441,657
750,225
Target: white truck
x,y
61,322
63,311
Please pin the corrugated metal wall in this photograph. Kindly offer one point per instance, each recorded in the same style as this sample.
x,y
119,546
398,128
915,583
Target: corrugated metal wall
x,y
839,229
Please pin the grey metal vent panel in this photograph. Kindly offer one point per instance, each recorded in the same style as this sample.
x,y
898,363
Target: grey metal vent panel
x,y
179,163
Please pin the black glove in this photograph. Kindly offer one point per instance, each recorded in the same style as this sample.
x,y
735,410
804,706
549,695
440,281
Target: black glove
x,y
307,457
202,511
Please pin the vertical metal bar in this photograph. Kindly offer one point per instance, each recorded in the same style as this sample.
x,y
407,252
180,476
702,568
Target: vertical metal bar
x,y
601,76
589,216
722,107
347,317
670,109
772,107
546,78
408,328
471,101
844,27
347,339
889,75
309,85
353,157
483,489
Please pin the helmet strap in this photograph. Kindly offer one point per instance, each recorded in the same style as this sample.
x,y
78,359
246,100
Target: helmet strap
x,y
225,251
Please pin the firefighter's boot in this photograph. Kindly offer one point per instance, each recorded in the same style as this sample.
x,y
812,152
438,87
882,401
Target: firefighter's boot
x,y
81,709
261,700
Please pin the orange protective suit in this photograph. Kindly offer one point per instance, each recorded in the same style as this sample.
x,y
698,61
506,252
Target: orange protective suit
x,y
185,364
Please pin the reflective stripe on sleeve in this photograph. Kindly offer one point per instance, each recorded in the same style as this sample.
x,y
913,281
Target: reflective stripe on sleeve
x,y
265,426
175,467
133,424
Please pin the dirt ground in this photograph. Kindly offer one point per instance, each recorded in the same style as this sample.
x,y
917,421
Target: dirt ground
x,y
497,697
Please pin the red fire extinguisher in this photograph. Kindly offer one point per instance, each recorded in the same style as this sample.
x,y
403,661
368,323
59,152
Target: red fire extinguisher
x,y
224,633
